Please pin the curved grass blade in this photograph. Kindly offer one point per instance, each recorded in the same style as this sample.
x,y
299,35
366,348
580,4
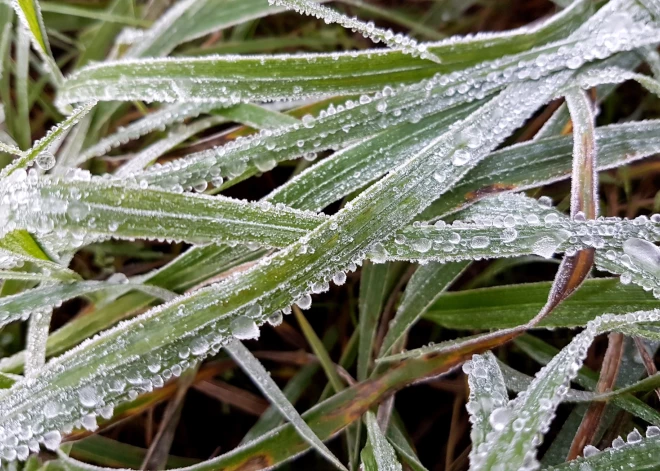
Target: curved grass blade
x,y
29,13
201,322
262,379
535,408
368,30
42,146
224,79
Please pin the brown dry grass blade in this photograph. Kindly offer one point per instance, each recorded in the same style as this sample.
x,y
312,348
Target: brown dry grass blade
x,y
608,374
159,450
331,416
584,204
237,397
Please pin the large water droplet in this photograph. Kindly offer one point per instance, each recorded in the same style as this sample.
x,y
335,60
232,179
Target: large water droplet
x,y
644,254
499,418
45,160
244,328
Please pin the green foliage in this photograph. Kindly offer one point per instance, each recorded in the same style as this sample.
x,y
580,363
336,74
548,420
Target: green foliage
x,y
411,154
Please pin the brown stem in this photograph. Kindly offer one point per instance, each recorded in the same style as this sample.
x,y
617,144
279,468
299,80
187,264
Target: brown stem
x,y
608,374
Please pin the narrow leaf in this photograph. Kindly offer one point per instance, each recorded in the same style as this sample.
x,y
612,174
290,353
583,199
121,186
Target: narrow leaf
x,y
262,379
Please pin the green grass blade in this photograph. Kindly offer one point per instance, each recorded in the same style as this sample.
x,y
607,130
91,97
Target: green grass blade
x,y
587,378
262,379
508,306
487,393
21,305
18,247
530,413
370,31
29,13
374,288
124,211
427,284
383,454
42,146
293,390
22,128
638,454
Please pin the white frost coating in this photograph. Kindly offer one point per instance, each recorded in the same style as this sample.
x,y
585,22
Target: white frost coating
x,y
368,30
158,120
383,452
88,208
265,383
175,137
200,321
519,437
37,336
584,180
52,138
487,394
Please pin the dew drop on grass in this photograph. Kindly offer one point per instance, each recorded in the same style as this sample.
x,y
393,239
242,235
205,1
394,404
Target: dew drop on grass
x,y
618,443
52,440
652,431
643,253
634,437
304,302
460,157
244,328
590,450
339,278
45,160
275,318
88,396
499,418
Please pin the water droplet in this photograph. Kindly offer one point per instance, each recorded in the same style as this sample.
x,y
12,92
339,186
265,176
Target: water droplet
x,y
244,328
422,245
499,418
52,440
275,318
634,437
45,160
339,278
590,450
460,157
88,396
304,302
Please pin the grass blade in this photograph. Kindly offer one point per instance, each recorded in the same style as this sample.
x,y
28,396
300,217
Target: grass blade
x,y
29,13
487,393
40,149
262,379
382,453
